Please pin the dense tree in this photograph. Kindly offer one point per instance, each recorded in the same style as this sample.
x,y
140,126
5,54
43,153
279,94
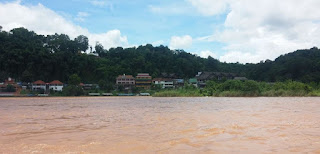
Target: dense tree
x,y
26,76
301,65
99,49
74,79
26,56
82,42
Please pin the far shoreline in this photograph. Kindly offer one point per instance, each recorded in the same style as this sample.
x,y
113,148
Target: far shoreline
x,y
48,97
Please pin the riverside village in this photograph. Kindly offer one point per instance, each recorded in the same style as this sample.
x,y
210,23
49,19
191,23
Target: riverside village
x,y
125,85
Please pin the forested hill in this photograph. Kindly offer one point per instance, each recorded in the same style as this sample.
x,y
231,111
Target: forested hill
x,y
27,57
301,65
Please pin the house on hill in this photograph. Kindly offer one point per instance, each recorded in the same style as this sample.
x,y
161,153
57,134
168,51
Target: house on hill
x,y
89,86
9,81
178,82
56,85
193,81
203,77
39,85
125,81
163,82
143,80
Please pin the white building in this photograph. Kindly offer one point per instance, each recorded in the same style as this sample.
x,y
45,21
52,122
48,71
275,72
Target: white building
x,y
38,85
56,85
165,83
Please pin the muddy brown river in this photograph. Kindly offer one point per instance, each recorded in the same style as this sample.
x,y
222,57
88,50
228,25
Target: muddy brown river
x,y
159,125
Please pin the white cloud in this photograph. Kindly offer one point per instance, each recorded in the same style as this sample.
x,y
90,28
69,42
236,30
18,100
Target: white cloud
x,y
157,43
210,7
182,42
207,53
44,21
236,56
263,29
81,16
112,38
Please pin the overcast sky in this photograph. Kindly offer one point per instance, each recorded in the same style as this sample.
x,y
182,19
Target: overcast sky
x,y
229,30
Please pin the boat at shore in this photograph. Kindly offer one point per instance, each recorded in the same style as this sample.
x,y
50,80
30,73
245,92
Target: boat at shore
x,y
122,94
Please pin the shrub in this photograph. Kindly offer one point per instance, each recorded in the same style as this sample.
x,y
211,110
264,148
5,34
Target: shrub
x,y
73,90
10,88
250,86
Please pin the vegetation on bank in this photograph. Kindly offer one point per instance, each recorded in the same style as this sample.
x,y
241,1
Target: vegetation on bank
x,y
186,91
228,88
249,88
27,57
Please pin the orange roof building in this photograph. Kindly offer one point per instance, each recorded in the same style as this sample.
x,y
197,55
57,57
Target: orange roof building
x,y
9,81
39,82
56,82
39,86
56,85
143,80
125,80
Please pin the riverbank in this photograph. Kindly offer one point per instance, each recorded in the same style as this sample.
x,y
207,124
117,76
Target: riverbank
x,y
229,88
198,93
193,93
234,88
177,93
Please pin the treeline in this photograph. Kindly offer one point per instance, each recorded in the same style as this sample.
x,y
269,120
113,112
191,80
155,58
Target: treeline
x,y
301,65
248,88
27,56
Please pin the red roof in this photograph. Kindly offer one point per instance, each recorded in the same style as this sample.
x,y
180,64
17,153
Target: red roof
x,y
9,81
143,74
161,79
56,82
39,82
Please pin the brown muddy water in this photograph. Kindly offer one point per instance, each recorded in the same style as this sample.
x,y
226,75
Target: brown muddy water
x,y
159,125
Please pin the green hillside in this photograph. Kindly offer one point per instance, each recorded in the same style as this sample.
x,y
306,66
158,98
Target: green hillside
x,y
27,56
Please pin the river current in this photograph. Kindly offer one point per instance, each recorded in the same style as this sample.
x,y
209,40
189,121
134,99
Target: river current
x,y
159,125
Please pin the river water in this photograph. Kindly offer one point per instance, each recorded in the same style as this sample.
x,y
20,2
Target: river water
x,y
159,125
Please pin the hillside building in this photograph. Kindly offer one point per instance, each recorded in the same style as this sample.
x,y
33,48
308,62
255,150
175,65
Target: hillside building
x,y
127,80
56,85
9,81
39,86
143,80
125,83
163,82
